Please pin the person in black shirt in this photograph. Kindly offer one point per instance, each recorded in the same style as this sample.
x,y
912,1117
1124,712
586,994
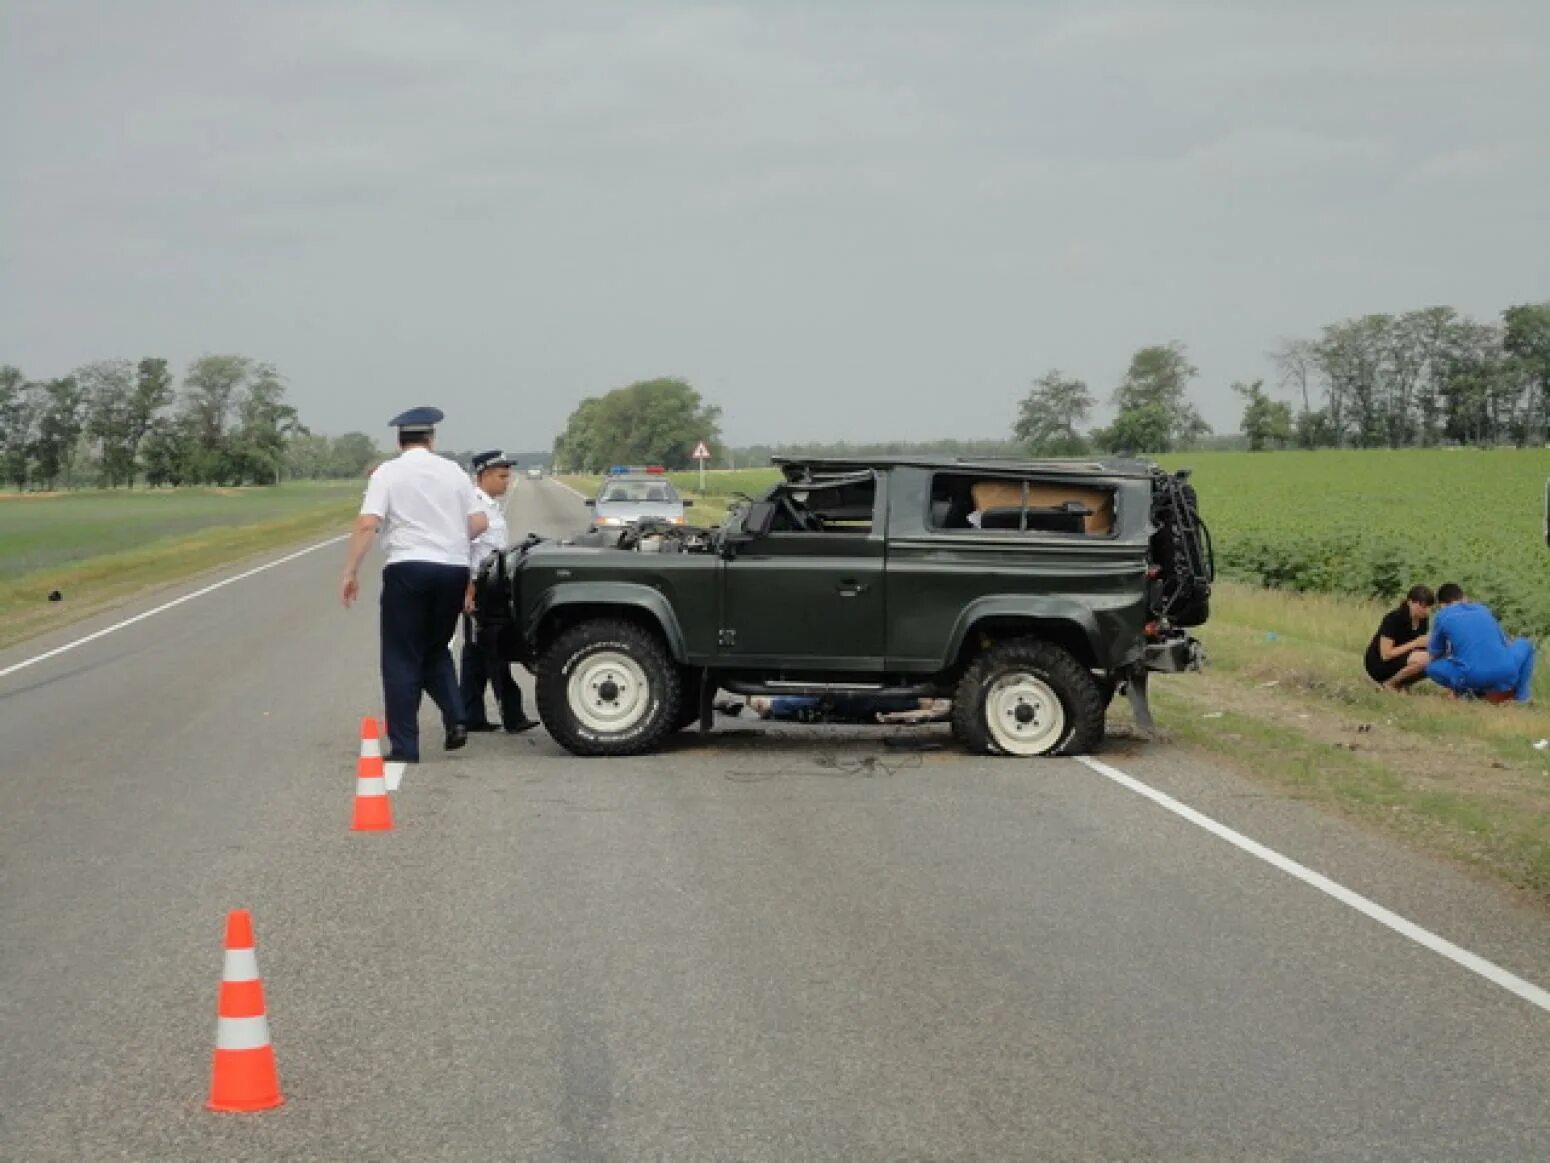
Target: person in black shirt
x,y
1396,656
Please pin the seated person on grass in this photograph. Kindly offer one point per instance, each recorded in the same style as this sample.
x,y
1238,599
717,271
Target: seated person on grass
x,y
1472,655
1396,656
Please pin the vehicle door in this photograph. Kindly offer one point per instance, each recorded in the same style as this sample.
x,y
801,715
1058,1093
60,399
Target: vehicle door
x,y
807,595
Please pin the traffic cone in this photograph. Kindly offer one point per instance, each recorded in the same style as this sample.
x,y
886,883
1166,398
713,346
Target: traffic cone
x,y
373,810
243,1077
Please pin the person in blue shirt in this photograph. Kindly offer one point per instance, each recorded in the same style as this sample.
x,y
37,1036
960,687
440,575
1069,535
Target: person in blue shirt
x,y
1472,655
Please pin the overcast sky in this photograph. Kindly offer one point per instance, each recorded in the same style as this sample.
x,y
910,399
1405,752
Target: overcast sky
x,y
837,219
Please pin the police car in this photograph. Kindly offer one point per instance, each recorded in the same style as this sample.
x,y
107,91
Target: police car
x,y
629,493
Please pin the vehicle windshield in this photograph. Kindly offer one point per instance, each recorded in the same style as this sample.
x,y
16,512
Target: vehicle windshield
x,y
638,492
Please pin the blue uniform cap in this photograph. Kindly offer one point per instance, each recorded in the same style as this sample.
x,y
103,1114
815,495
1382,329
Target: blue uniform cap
x,y
492,459
417,419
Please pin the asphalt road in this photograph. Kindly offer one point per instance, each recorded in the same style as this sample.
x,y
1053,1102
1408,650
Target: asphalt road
x,y
789,944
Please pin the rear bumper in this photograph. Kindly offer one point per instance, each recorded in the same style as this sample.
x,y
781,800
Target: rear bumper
x,y
1173,655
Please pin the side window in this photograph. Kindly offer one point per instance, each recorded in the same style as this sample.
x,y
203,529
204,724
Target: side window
x,y
966,502
839,507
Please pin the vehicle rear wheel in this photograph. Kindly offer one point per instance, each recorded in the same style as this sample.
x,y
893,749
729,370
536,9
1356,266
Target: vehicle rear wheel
x,y
608,687
1027,698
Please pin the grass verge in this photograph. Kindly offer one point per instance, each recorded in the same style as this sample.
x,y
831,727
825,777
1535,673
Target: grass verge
x,y
91,583
1284,699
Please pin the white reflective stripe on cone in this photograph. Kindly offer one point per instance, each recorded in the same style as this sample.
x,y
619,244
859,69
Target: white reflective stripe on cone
x,y
371,785
242,1033
371,749
241,965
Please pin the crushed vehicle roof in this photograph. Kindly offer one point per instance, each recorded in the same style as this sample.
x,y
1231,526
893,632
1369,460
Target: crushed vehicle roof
x,y
1080,466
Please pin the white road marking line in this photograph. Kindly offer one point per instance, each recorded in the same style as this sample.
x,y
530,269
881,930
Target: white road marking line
x,y
1476,964
568,489
393,774
165,606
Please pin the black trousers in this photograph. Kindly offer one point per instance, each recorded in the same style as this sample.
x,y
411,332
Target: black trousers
x,y
420,604
482,666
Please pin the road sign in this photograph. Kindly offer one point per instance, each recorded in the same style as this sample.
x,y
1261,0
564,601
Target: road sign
x,y
701,452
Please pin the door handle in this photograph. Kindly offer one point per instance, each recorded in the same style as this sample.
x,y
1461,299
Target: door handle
x,y
850,588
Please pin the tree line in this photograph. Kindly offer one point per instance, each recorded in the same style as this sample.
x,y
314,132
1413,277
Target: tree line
x,y
1425,377
115,422
655,421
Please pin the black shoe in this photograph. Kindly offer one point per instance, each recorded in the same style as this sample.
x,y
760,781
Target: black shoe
x,y
457,736
480,727
392,757
521,725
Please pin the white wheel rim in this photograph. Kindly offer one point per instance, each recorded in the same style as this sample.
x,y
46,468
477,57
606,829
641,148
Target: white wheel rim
x,y
1024,715
609,692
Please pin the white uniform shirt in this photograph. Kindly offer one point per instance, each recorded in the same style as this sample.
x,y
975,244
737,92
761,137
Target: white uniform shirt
x,y
493,539
424,502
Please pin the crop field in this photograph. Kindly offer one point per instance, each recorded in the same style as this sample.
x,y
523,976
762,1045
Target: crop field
x,y
43,532
1374,523
97,547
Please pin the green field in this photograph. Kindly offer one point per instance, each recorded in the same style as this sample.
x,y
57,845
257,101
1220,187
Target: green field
x,y
1372,524
97,547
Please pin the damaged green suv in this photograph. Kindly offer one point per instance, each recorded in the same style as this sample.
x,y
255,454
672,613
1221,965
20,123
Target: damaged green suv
x,y
1027,592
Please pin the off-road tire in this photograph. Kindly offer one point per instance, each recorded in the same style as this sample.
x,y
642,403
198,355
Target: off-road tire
x,y
662,692
1072,683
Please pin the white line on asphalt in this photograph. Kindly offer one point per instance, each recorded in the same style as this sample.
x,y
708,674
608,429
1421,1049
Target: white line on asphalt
x,y
165,606
1493,973
568,489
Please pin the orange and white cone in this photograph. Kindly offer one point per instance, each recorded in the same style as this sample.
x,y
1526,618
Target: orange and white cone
x,y
243,1077
373,809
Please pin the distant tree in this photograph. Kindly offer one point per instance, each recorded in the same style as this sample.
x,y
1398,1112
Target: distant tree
x,y
1526,339
351,455
20,404
1312,429
1296,363
313,456
1477,386
107,389
576,448
1266,423
211,386
264,423
308,457
1050,415
168,453
1154,412
1137,429
153,392
61,423
649,422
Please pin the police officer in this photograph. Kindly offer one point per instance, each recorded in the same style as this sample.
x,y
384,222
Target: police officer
x,y
426,510
481,662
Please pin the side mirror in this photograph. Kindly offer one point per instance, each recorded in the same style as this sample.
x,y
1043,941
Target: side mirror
x,y
688,503
590,502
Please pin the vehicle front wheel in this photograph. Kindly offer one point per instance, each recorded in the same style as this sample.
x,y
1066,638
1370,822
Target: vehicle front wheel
x,y
1025,698
608,687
